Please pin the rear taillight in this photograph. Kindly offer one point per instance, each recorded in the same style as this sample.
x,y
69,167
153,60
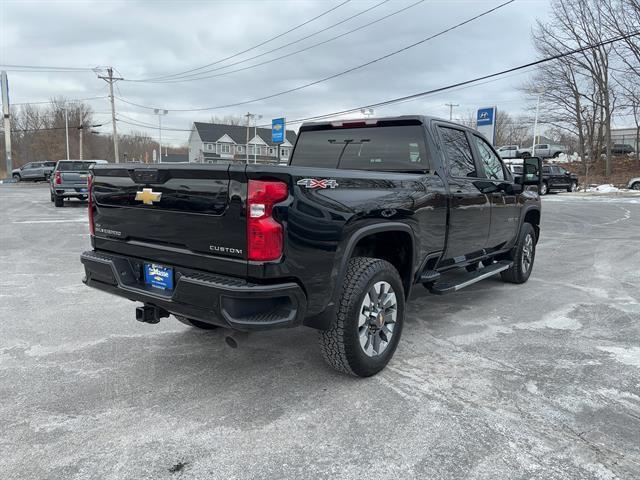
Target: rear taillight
x,y
264,234
57,178
90,206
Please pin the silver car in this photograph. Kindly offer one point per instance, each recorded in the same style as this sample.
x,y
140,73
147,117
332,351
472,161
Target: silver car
x,y
69,180
33,171
634,183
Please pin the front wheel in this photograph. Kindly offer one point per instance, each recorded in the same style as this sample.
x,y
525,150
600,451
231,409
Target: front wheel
x,y
522,254
635,186
573,187
16,177
369,319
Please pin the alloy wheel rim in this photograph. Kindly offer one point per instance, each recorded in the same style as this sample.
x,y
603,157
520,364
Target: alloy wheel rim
x,y
377,319
527,253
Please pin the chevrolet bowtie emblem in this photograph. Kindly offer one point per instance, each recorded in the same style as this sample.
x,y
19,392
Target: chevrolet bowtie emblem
x,y
148,196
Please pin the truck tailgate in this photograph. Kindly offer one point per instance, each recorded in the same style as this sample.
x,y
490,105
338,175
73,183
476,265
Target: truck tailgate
x,y
74,179
188,215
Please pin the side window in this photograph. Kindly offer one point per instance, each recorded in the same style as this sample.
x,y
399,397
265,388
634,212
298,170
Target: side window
x,y
491,164
458,152
561,170
546,170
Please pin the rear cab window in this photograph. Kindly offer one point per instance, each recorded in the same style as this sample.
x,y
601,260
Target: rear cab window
x,y
79,166
387,148
458,153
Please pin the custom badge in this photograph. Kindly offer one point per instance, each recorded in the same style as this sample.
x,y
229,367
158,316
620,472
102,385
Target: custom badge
x,y
148,196
315,183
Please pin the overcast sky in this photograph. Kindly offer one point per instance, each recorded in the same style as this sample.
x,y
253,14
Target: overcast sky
x,y
143,39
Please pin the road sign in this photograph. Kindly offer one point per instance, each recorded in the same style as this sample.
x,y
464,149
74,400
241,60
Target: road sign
x,y
486,122
278,128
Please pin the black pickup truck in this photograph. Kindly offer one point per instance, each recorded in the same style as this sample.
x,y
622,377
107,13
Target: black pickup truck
x,y
335,240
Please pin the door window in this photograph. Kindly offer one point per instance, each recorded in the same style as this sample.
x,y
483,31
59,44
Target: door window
x,y
458,153
546,170
490,162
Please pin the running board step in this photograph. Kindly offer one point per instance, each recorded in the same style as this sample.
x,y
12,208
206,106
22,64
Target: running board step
x,y
429,276
444,287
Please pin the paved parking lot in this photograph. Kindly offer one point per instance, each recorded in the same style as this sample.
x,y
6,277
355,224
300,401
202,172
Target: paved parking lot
x,y
496,382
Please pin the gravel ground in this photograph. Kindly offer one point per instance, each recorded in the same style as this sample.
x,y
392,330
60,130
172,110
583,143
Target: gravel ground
x,y
540,381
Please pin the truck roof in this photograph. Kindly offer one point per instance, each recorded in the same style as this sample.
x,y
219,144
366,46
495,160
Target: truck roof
x,y
416,119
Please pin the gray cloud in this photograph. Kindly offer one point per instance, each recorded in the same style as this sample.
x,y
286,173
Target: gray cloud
x,y
148,38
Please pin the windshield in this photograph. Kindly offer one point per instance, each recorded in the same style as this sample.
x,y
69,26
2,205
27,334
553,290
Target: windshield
x,y
74,166
393,148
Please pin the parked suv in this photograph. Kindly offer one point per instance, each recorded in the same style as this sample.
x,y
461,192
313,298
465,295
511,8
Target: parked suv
x,y
33,171
69,180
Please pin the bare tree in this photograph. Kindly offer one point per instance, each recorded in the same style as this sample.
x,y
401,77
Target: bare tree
x,y
229,120
577,92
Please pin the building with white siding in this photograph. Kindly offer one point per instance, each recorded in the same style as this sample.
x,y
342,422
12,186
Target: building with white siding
x,y
219,143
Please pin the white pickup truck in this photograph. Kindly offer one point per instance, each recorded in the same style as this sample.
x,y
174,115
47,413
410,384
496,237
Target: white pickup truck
x,y
543,150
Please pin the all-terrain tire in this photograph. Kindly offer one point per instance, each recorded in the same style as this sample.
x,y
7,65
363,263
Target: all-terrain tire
x,y
518,273
340,345
58,201
195,323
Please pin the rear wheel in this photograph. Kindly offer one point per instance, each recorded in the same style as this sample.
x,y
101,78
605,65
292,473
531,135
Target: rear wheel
x,y
52,196
195,323
369,320
59,201
522,254
544,189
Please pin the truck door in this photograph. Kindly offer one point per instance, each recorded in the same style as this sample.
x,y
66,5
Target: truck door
x,y
469,208
505,211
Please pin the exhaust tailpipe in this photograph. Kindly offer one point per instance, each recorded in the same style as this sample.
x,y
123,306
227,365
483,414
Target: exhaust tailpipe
x,y
234,338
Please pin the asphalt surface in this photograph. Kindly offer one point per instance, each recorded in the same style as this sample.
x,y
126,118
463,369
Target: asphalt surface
x,y
539,381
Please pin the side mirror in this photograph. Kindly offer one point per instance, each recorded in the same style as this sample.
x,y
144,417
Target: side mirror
x,y
532,169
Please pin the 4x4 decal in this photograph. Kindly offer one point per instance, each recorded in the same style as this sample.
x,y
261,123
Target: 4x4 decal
x,y
315,183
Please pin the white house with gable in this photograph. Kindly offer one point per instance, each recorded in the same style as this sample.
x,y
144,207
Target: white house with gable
x,y
219,143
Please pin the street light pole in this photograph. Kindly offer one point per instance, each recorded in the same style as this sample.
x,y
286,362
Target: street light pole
x,y
535,124
160,112
66,128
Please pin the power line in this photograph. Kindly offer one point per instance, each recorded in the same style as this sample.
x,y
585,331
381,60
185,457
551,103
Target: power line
x,y
253,47
467,82
75,100
198,76
43,68
344,72
155,127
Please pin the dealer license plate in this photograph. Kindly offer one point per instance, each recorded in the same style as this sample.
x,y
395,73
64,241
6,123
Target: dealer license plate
x,y
158,276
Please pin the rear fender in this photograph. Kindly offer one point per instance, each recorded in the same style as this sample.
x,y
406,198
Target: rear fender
x,y
324,320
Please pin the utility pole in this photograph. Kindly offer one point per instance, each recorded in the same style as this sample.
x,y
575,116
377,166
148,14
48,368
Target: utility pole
x,y
248,115
255,134
451,105
110,79
6,119
66,128
160,112
535,124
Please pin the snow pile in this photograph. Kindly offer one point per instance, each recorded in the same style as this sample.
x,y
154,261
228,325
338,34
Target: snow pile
x,y
606,188
565,158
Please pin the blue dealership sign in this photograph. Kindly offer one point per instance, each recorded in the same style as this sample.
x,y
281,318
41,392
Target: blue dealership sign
x,y
485,116
277,130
